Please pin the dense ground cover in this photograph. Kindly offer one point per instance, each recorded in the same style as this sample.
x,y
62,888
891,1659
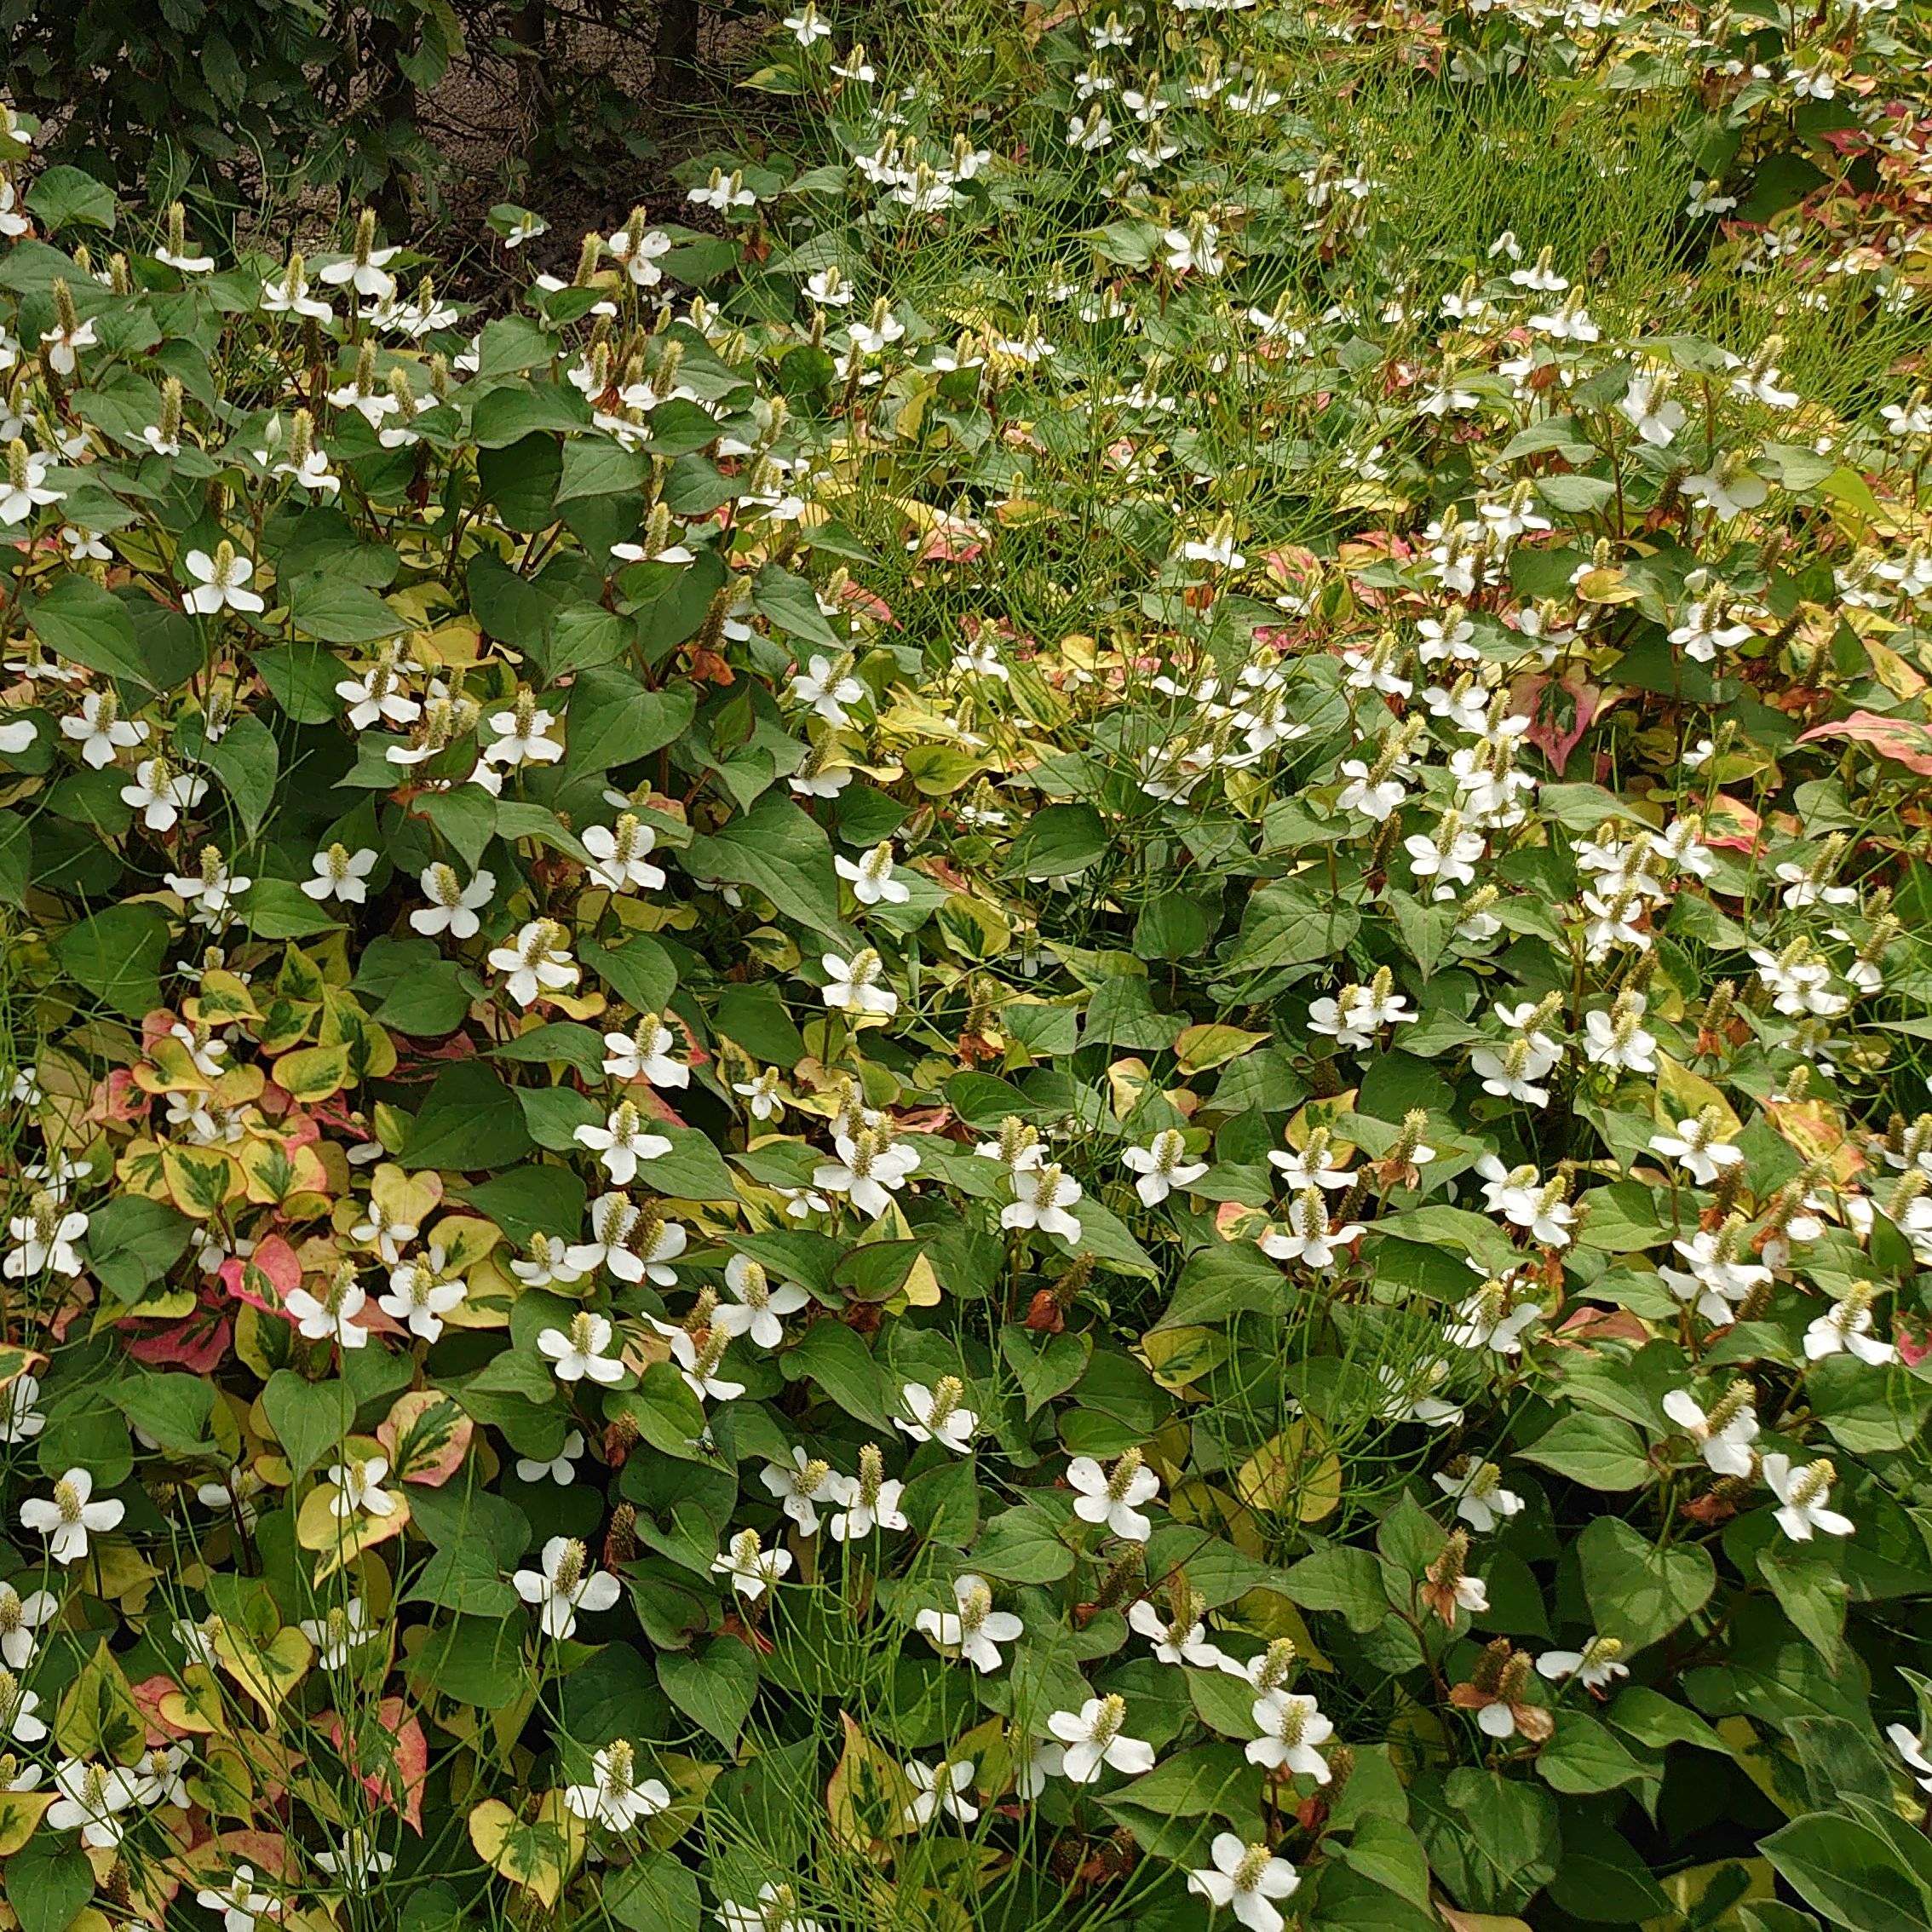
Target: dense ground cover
x,y
1037,1040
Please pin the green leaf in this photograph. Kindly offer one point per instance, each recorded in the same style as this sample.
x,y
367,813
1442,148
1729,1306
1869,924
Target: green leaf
x,y
1058,840
470,1123
1849,1872
1584,1755
614,720
85,625
714,1690
1288,925
1600,1879
566,1040
655,1894
336,610
1638,1592
542,1199
788,603
280,909
65,198
601,466
309,1419
116,954
834,1360
779,851
1599,1452
1023,1545
636,969
49,1880
245,759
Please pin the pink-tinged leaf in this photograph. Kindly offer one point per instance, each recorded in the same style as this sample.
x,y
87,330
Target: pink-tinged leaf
x,y
199,1342
427,1435
1904,741
390,1754
266,1279
149,1694
267,1852
1732,825
1560,711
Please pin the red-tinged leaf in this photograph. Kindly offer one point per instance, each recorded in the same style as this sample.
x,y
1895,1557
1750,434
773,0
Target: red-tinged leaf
x,y
149,1693
1904,741
427,1435
198,1343
267,1852
1732,825
266,1279
1560,711
390,1754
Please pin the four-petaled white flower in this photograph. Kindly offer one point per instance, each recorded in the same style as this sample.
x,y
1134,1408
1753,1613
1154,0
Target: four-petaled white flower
x,y
221,581
972,1627
934,1415
938,1790
71,1516
852,984
1042,1196
828,688
577,1352
752,1569
1114,1499
358,1486
1094,1736
1248,1877
567,1583
453,905
1162,1166
161,794
1292,1726
1805,1495
613,1798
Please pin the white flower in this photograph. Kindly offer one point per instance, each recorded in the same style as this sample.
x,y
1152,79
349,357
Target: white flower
x,y
1806,1495
938,1789
1093,1737
756,1305
1912,1748
560,1468
612,1798
336,1636
453,905
805,27
1406,1398
1042,1196
972,1627
340,873
645,1054
102,730
355,1862
868,1501
17,1706
1178,1642
616,1227
1292,1726
1114,1499
577,1352
872,880
622,1142
420,1294
1727,496
760,1094
567,1583
221,581
520,739
867,1172
161,794
25,488
1248,1877
828,688
776,1911
1162,1166
1725,1436
332,1317
537,962
1846,1328
618,853
1693,1147
19,1617
1595,1666
934,1415
90,1797
67,1521
752,1569
851,985
1481,1501
359,1487
19,1420
1308,1238
701,1367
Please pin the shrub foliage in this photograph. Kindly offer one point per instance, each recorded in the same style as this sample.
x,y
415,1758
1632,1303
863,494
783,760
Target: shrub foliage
x,y
1041,1044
